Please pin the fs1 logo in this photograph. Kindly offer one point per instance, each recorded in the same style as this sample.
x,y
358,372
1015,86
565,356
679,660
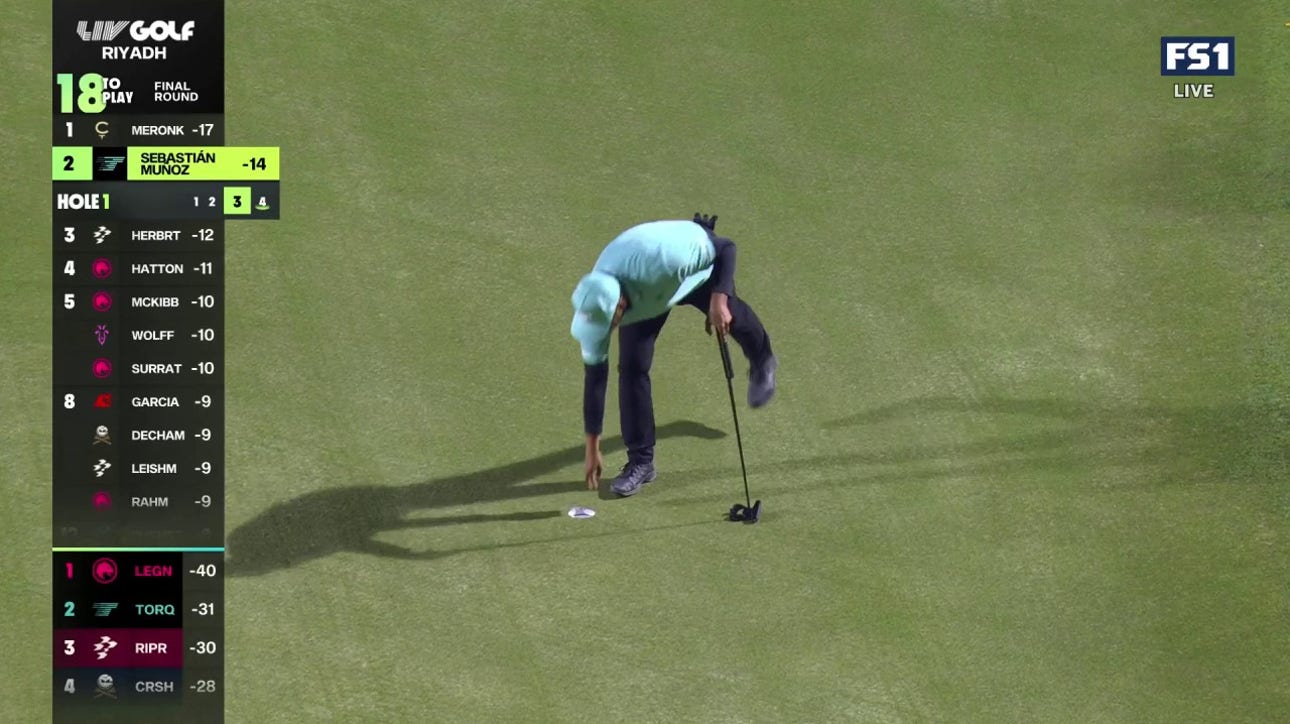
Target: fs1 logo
x,y
142,31
1198,56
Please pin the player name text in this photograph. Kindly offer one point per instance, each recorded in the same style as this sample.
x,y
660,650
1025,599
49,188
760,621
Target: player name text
x,y
137,268
154,235
154,301
149,503
160,163
154,468
157,435
156,368
157,130
152,335
154,402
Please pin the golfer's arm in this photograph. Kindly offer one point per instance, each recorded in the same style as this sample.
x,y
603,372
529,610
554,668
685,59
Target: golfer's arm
x,y
593,398
723,268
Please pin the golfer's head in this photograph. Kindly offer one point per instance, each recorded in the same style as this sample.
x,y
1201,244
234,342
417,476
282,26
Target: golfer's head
x,y
598,306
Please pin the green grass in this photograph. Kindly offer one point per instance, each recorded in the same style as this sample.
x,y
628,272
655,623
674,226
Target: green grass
x,y
1029,457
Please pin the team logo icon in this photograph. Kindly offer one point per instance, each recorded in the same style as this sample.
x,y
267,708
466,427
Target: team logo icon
x,y
101,436
102,368
104,570
101,301
104,645
101,334
101,467
101,268
104,686
102,501
103,401
107,165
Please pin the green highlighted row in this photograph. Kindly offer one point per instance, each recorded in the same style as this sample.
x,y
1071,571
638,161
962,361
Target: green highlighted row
x,y
171,163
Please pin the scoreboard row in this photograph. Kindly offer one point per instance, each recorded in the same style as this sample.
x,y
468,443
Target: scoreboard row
x,y
151,163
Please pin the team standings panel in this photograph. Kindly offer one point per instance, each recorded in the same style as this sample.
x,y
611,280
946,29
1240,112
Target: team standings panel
x,y
143,185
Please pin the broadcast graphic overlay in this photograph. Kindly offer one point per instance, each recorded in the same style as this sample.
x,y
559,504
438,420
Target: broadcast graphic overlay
x,y
1197,57
142,187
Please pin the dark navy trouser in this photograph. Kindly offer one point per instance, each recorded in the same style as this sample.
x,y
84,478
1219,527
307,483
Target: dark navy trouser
x,y
636,354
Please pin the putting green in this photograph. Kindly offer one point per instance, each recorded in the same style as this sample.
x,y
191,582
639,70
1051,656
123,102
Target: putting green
x,y
1028,457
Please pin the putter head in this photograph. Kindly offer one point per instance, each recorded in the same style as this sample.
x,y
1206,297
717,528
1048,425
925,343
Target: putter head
x,y
740,513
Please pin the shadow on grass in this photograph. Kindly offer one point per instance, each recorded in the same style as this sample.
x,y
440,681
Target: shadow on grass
x,y
1157,445
324,522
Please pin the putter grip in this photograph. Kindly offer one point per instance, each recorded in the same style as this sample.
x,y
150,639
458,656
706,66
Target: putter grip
x,y
725,357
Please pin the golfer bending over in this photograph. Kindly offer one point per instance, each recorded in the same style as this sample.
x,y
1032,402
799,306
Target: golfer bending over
x,y
637,280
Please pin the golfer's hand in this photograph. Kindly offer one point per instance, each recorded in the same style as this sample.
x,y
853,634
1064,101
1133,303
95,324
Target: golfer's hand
x,y
593,465
718,315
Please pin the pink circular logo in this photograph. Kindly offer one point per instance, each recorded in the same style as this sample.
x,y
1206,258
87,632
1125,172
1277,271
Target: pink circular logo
x,y
102,501
102,368
104,570
102,301
102,268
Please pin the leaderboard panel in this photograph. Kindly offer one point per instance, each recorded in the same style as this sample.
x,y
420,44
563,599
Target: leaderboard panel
x,y
138,636
143,185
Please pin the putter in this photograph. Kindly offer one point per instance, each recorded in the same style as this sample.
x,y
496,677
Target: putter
x,y
748,511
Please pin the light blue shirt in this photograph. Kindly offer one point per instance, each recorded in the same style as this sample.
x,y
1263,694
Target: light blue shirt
x,y
658,264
